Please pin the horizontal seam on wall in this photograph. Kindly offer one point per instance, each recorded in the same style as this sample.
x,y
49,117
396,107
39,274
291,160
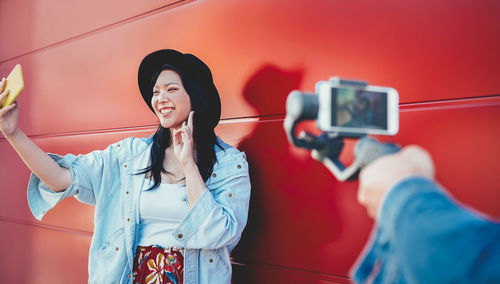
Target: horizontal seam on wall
x,y
236,120
490,96
103,28
45,226
318,275
481,101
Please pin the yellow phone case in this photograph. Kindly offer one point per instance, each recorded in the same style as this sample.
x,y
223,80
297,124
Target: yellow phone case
x,y
15,84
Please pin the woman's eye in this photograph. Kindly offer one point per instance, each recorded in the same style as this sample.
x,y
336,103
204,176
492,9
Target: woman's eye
x,y
172,89
155,93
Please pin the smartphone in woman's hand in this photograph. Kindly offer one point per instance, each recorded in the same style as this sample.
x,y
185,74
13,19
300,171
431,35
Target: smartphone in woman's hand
x,y
15,84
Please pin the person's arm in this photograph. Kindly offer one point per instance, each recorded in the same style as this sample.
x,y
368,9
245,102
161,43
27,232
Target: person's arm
x,y
434,239
56,177
420,229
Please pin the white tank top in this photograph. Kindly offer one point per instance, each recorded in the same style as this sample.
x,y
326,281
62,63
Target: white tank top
x,y
161,210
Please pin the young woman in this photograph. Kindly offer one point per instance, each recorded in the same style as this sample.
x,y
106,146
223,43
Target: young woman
x,y
169,208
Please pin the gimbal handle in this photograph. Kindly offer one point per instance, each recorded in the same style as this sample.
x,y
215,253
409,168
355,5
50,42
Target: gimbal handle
x,y
366,150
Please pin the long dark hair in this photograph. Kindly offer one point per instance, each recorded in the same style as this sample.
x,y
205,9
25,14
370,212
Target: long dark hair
x,y
203,134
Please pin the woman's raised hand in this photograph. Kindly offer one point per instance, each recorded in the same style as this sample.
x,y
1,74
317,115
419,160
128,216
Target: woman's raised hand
x,y
9,115
183,142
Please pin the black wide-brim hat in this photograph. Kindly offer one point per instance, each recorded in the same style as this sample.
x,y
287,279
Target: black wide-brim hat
x,y
188,64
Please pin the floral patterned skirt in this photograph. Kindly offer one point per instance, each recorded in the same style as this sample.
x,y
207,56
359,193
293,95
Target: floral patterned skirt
x,y
154,264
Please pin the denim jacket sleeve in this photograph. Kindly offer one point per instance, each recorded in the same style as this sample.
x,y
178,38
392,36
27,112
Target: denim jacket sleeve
x,y
88,173
423,236
220,215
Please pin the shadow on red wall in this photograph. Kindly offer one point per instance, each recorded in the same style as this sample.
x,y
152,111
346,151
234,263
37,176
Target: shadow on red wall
x,y
286,213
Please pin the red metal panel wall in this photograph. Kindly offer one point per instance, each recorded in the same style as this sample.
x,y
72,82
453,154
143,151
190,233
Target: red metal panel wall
x,y
80,63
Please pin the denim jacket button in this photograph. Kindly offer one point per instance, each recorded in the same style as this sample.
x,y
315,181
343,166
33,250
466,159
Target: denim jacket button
x,y
117,248
180,236
230,195
214,175
211,260
238,166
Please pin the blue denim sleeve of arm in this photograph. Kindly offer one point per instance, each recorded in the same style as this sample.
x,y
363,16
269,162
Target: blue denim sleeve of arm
x,y
86,171
435,240
220,215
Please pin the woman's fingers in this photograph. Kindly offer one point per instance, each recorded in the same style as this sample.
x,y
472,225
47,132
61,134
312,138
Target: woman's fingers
x,y
187,125
190,122
2,84
181,135
184,136
184,132
3,95
8,108
187,130
177,137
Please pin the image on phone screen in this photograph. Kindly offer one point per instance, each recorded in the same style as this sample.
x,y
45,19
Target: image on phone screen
x,y
358,108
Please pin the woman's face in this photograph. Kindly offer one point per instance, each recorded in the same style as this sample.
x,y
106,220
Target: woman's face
x,y
170,100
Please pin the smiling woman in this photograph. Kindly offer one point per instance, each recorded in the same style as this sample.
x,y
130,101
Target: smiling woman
x,y
167,206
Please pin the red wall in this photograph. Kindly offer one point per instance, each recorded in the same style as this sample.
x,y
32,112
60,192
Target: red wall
x,y
80,62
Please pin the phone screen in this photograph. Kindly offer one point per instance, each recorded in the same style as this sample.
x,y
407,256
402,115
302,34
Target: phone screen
x,y
358,108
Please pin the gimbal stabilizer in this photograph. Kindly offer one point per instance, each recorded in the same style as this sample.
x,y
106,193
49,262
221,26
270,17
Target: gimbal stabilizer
x,y
327,147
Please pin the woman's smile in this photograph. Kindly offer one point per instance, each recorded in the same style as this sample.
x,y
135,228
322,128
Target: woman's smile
x,y
166,110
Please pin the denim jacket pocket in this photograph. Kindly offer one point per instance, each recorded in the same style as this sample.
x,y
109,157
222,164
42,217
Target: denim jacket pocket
x,y
113,243
213,260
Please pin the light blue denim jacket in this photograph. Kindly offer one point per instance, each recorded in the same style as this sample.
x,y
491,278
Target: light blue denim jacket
x,y
108,180
425,237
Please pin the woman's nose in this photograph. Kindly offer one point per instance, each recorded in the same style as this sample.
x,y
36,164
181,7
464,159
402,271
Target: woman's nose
x,y
163,96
